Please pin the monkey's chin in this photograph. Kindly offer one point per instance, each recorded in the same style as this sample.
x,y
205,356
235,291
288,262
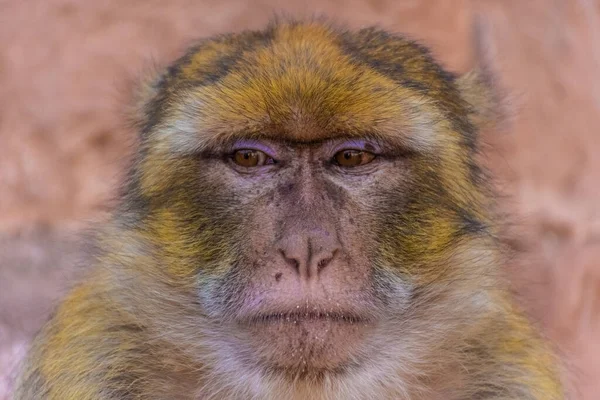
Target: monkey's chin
x,y
306,344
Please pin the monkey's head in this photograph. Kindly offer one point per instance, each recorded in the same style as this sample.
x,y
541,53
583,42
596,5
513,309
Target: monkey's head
x,y
310,196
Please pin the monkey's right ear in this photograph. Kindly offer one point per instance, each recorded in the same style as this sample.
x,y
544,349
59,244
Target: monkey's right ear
x,y
145,90
480,87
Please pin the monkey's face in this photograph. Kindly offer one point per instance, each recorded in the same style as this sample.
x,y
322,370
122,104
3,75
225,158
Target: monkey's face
x,y
311,189
304,282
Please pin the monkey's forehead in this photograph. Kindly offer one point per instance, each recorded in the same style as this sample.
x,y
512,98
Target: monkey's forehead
x,y
305,81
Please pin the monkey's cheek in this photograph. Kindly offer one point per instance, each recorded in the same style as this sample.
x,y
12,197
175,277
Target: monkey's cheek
x,y
318,344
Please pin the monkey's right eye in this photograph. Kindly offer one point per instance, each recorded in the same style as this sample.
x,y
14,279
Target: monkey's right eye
x,y
251,158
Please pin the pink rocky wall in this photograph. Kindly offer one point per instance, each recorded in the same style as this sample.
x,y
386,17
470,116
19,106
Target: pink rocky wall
x,y
66,66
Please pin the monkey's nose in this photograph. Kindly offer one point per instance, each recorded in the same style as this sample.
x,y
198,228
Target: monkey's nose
x,y
308,255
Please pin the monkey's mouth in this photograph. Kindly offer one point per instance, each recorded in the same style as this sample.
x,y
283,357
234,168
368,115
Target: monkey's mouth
x,y
299,317
302,340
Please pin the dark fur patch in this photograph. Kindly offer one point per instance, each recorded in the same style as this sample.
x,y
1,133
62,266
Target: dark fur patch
x,y
170,81
360,48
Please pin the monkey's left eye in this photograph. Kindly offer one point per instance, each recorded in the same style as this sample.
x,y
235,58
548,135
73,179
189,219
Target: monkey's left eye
x,y
353,158
251,158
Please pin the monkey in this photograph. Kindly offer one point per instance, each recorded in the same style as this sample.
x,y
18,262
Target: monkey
x,y
305,217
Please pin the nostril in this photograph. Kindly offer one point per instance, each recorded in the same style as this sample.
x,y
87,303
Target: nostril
x,y
305,261
291,261
325,261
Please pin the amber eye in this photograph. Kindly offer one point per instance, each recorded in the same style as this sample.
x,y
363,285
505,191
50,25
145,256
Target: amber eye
x,y
251,158
353,158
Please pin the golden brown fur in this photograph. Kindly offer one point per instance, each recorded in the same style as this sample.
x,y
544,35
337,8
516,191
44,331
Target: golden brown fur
x,y
184,275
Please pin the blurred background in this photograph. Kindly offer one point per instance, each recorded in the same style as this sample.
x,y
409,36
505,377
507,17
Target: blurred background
x,y
66,68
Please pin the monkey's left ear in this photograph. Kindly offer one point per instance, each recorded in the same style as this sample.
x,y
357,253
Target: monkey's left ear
x,y
480,87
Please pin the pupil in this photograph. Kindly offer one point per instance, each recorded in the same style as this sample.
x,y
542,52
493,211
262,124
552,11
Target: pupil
x,y
347,155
